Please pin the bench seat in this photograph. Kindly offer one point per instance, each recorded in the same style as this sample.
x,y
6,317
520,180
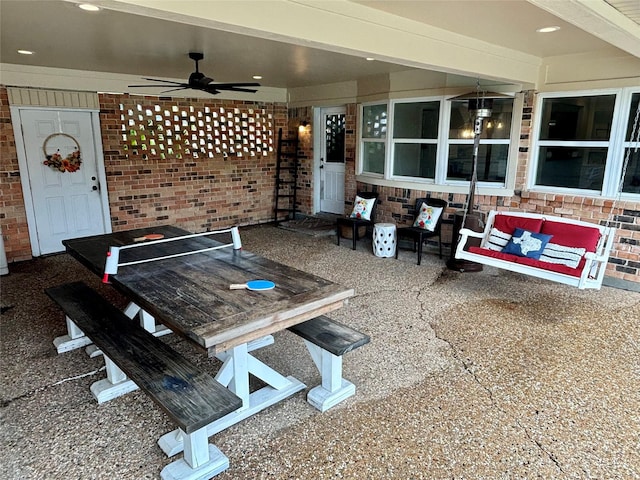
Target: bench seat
x,y
327,341
593,240
192,399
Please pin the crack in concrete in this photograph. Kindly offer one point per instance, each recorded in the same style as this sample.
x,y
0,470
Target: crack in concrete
x,y
8,401
468,367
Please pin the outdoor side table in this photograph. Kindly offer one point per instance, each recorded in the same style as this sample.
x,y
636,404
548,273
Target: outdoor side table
x,y
384,240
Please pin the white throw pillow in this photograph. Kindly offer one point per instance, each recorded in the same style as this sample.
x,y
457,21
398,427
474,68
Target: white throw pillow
x,y
428,217
569,256
362,208
497,240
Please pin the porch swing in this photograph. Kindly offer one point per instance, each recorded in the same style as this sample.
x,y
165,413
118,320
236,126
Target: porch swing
x,y
563,250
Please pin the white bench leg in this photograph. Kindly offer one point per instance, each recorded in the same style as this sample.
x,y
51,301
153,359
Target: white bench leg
x,y
334,388
75,338
200,461
234,374
147,321
115,385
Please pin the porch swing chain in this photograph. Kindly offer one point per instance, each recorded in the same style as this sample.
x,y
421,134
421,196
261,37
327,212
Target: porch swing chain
x,y
634,139
477,131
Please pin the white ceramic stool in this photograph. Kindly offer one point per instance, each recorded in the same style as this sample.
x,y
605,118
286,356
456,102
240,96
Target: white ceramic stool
x,y
384,240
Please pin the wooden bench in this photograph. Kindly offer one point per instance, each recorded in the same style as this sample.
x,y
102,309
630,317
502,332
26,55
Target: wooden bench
x,y
192,399
327,340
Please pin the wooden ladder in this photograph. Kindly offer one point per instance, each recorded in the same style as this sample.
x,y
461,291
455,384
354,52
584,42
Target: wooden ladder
x,y
286,178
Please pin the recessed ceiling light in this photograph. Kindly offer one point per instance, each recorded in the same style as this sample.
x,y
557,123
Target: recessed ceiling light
x,y
25,52
370,59
257,77
547,29
89,7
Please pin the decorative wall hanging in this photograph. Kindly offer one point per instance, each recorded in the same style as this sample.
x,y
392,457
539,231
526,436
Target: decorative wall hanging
x,y
178,131
56,161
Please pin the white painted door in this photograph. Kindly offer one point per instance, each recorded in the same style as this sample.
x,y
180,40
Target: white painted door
x,y
332,155
66,204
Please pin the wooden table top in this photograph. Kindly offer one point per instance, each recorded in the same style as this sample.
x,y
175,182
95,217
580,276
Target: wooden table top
x,y
190,294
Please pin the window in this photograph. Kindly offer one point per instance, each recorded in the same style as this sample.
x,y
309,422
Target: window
x,y
574,140
579,147
493,152
631,182
374,134
420,148
415,139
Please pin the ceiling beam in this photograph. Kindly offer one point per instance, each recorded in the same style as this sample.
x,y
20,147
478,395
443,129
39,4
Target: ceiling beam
x,y
598,18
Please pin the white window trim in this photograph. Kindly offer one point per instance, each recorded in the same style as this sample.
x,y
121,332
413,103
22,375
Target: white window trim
x,y
615,145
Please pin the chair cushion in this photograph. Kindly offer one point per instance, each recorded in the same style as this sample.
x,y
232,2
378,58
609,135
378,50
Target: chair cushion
x,y
362,208
428,217
508,223
572,235
528,244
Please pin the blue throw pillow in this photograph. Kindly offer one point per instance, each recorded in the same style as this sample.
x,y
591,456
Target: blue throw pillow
x,y
527,244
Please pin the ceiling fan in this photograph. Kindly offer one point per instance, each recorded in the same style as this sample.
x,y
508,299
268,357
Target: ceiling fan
x,y
198,81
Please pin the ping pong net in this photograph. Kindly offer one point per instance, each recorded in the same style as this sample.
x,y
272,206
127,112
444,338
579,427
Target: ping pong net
x,y
113,255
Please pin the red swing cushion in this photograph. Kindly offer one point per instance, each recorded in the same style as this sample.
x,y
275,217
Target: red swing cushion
x,y
572,235
508,223
552,267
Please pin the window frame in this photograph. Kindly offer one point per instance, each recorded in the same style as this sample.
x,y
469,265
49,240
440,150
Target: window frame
x,y
440,182
362,140
390,159
615,144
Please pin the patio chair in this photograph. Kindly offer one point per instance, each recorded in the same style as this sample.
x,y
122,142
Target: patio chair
x,y
363,215
426,224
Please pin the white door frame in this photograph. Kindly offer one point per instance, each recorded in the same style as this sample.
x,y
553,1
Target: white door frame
x,y
318,138
24,170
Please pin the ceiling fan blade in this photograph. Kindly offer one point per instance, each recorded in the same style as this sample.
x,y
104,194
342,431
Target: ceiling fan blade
x,y
237,89
159,81
235,84
175,89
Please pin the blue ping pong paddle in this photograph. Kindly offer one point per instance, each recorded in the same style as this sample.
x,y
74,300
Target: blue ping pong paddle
x,y
253,285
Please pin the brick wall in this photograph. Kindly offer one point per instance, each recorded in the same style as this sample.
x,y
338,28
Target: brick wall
x,y
145,189
13,218
195,193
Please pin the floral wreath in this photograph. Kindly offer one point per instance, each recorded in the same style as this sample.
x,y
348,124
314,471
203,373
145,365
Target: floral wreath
x,y
70,163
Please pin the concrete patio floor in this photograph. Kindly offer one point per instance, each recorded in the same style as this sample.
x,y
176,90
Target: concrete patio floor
x,y
476,375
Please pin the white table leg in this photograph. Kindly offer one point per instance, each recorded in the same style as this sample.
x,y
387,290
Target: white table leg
x,y
115,385
75,338
334,388
234,374
200,460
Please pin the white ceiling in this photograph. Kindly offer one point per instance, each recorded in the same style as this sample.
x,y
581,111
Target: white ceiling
x,y
121,42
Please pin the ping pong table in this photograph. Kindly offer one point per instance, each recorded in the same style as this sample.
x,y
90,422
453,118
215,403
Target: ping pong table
x,y
189,293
